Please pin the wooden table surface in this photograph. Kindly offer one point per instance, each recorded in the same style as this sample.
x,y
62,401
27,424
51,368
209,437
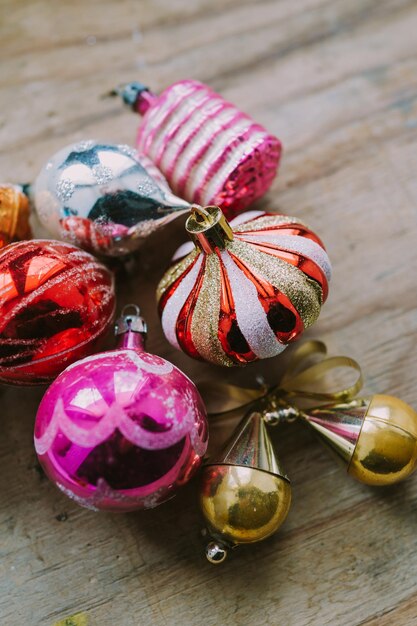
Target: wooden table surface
x,y
336,80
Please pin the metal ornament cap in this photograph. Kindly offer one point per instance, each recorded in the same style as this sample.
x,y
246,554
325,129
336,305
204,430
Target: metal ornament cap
x,y
208,228
375,437
132,321
245,495
131,93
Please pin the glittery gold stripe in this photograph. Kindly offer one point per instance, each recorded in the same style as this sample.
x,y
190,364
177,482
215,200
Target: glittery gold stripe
x,y
174,272
269,221
205,320
305,294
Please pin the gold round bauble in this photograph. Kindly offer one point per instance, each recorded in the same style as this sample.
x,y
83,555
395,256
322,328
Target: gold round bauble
x,y
386,450
243,504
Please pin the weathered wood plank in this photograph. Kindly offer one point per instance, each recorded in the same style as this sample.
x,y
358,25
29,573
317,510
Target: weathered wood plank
x,y
337,82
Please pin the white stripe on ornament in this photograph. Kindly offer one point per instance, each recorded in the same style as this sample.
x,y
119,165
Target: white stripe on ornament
x,y
245,217
250,315
183,250
201,142
268,221
158,114
190,128
216,183
216,150
175,303
294,243
177,119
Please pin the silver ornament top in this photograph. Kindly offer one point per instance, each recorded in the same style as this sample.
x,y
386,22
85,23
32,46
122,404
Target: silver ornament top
x,y
103,197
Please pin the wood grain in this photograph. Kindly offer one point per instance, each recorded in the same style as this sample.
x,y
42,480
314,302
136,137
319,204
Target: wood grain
x,y
336,80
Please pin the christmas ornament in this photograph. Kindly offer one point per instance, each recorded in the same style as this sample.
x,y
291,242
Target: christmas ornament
x,y
209,151
375,437
14,214
123,429
245,495
103,198
245,289
56,303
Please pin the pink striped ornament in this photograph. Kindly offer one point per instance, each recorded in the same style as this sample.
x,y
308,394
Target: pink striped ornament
x,y
209,151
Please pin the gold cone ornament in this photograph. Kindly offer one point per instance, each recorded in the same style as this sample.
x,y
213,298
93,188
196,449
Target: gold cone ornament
x,y
376,436
244,495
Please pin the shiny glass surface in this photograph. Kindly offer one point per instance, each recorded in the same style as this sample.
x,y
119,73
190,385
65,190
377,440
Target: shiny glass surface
x,y
386,450
121,430
243,504
104,198
56,303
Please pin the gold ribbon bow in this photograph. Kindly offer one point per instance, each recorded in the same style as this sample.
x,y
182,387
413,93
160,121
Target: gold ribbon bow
x,y
302,381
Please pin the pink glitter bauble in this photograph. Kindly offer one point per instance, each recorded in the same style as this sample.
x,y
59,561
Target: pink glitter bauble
x,y
121,430
56,303
209,151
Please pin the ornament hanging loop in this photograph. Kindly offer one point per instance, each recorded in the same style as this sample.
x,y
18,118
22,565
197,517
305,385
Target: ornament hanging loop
x,y
130,321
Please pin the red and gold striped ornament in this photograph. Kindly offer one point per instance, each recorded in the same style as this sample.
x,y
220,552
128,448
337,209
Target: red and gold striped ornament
x,y
244,290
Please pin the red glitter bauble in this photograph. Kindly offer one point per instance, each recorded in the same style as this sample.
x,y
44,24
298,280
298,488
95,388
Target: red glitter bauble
x,y
56,303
